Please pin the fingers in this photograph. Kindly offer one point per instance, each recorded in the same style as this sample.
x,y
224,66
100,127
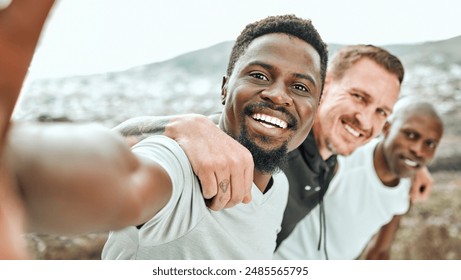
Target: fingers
x,y
240,173
422,184
215,159
248,178
209,184
420,194
415,194
224,192
223,196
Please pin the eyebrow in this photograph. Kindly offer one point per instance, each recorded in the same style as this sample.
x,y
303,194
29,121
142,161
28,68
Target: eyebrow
x,y
296,75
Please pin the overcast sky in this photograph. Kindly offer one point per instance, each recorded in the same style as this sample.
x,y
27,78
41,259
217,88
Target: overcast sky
x,y
90,36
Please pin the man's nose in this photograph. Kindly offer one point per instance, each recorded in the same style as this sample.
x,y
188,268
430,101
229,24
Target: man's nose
x,y
366,119
278,94
417,149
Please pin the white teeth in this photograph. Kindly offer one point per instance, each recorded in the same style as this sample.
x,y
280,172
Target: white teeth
x,y
351,130
410,162
271,120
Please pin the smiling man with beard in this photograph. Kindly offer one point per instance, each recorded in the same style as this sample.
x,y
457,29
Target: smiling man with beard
x,y
75,178
370,192
362,85
271,93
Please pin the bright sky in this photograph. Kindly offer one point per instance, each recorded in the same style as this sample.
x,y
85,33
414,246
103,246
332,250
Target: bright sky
x,y
90,36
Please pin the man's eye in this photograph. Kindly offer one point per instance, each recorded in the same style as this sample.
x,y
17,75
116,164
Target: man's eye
x,y
301,88
382,112
357,96
431,144
411,135
259,76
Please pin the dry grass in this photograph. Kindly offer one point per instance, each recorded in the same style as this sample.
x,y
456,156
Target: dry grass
x,y
432,230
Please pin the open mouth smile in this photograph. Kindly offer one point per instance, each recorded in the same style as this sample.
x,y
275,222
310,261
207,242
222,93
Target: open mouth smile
x,y
270,121
351,130
411,163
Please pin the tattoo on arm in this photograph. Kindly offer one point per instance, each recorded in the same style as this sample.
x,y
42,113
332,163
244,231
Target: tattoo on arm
x,y
143,127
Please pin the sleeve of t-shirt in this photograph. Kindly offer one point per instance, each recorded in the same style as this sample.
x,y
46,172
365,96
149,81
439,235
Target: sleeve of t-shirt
x,y
169,155
402,204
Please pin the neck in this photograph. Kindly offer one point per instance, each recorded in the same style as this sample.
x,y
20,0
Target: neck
x,y
324,152
382,168
261,180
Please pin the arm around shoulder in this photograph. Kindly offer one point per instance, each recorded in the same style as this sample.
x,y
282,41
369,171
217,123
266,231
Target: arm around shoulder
x,y
215,156
421,187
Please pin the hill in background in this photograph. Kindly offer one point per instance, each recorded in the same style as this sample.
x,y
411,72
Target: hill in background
x,y
190,83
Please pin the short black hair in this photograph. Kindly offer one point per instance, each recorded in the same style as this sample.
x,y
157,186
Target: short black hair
x,y
288,24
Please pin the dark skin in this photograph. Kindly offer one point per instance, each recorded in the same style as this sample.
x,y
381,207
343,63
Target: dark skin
x,y
410,144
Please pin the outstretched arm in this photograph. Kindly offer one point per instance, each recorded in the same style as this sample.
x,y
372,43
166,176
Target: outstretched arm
x,y
20,27
380,246
224,167
421,187
81,178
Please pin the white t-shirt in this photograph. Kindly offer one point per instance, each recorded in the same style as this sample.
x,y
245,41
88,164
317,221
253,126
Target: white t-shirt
x,y
186,229
356,205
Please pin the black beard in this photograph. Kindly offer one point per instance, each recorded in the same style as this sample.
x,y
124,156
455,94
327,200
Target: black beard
x,y
266,161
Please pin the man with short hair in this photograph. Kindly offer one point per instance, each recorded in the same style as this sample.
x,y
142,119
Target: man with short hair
x,y
361,88
370,192
271,92
362,85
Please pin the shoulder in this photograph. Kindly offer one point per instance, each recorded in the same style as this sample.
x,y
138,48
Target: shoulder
x,y
167,153
158,148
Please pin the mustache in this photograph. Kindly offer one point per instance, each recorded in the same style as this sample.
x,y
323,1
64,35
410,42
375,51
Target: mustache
x,y
261,106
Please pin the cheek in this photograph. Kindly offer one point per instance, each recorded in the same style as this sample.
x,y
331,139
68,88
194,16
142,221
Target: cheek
x,y
307,114
378,124
428,155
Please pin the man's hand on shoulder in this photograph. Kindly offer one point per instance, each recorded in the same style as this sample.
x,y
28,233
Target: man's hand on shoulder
x,y
421,187
224,166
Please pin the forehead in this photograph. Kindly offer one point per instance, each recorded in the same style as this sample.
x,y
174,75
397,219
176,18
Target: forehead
x,y
287,52
372,79
429,127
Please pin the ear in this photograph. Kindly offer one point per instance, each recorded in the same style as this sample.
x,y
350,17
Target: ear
x,y
224,89
386,127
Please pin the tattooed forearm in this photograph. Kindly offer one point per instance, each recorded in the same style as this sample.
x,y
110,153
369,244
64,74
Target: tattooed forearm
x,y
143,127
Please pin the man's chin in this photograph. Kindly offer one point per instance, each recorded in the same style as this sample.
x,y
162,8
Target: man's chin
x,y
342,150
266,160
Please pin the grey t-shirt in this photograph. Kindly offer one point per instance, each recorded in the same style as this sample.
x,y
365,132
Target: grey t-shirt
x,y
186,229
